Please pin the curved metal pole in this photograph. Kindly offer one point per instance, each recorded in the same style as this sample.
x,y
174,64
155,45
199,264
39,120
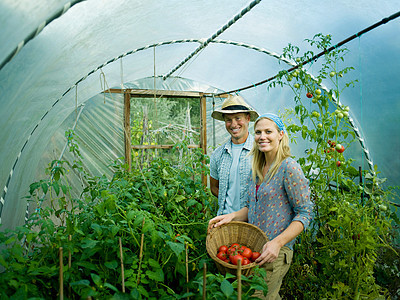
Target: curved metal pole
x,y
39,29
214,36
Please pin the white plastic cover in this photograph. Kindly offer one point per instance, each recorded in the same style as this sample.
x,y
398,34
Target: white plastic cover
x,y
39,96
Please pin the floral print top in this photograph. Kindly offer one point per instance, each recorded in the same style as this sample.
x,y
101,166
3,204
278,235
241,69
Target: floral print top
x,y
285,198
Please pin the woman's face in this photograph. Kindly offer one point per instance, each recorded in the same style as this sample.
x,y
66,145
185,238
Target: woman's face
x,y
267,136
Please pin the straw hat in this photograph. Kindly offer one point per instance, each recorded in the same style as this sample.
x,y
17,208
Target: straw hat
x,y
233,105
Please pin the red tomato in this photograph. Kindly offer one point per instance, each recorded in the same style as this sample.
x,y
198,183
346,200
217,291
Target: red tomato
x,y
255,255
338,163
231,250
234,258
309,95
245,261
241,249
223,248
247,252
235,245
339,148
222,256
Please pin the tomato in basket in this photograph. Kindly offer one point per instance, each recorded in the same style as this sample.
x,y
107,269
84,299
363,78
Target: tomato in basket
x,y
232,253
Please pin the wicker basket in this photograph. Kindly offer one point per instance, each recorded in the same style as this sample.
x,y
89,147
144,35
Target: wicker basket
x,y
235,232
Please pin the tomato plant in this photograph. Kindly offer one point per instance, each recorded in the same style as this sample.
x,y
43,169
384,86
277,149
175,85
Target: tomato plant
x,y
145,211
335,258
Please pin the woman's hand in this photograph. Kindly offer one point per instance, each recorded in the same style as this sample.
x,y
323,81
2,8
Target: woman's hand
x,y
220,220
271,249
269,253
240,215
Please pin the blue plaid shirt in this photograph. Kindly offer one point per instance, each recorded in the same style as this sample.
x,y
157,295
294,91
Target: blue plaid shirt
x,y
220,165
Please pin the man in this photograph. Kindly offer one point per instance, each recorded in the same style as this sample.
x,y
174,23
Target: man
x,y
230,164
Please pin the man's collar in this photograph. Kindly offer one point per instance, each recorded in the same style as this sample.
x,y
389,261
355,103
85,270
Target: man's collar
x,y
248,144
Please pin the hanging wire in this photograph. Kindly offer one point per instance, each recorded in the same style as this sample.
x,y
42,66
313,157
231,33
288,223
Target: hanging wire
x,y
122,73
76,102
213,120
361,116
155,96
104,84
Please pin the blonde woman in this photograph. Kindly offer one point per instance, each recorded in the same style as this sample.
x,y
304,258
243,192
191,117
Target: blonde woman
x,y
278,200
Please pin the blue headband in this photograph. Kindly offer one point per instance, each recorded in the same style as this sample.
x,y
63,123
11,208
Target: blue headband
x,y
274,118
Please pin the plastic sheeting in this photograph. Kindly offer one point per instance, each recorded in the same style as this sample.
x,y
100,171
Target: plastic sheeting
x,y
58,71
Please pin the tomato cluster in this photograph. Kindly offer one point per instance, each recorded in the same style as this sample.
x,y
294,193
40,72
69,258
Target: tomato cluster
x,y
333,146
232,254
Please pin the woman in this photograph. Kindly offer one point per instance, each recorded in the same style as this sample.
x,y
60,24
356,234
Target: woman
x,y
278,200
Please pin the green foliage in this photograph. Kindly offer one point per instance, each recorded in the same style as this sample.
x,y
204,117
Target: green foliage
x,y
335,258
163,122
159,214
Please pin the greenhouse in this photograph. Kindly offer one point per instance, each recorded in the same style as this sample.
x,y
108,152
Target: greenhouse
x,y
106,138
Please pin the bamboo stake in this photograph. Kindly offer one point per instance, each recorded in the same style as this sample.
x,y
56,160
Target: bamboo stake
x,y
60,255
141,253
69,264
204,280
187,268
69,254
122,265
239,278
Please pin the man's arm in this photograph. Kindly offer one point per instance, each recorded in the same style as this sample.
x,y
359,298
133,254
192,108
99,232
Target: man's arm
x,y
214,186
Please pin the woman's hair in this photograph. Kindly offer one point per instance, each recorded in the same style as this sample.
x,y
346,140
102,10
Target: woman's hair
x,y
258,161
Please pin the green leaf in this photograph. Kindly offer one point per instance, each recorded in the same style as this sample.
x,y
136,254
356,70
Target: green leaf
x,y
191,202
111,264
83,282
179,198
44,187
97,228
33,187
77,230
143,291
154,263
131,214
158,275
178,248
56,187
12,239
88,243
100,209
96,279
3,262
138,220
87,265
114,230
111,287
226,288
64,188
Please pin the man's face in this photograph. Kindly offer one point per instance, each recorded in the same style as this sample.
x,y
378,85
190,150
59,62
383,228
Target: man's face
x,y
238,126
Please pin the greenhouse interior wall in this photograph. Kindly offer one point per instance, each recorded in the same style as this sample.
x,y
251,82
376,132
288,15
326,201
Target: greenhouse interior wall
x,y
60,70
58,57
